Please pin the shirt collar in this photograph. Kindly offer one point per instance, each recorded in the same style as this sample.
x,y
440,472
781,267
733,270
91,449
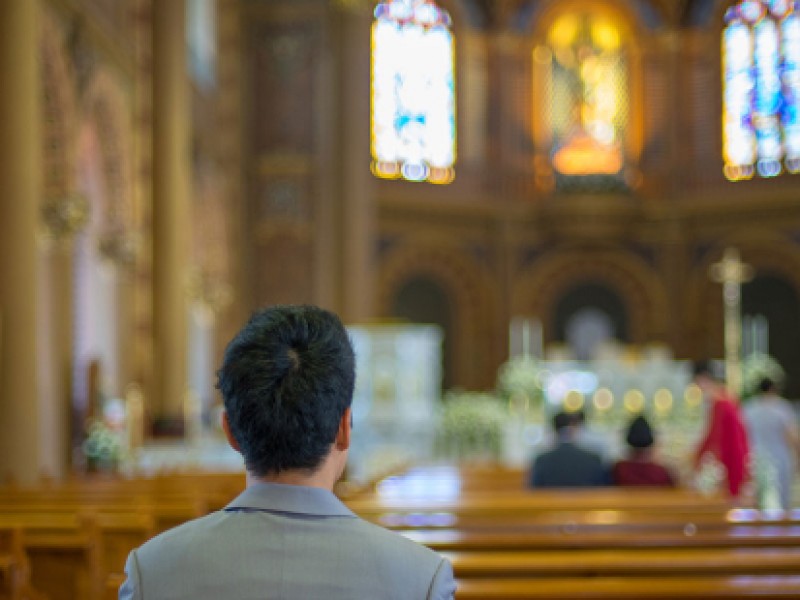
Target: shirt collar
x,y
296,499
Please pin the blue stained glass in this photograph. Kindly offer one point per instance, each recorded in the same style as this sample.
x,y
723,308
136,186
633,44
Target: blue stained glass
x,y
791,90
761,116
413,92
751,10
779,8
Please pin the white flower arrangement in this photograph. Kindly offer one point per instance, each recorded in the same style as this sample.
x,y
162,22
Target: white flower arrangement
x,y
759,366
521,377
472,426
103,445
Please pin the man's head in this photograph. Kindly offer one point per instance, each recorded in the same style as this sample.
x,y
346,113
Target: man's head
x,y
707,378
767,386
564,425
287,383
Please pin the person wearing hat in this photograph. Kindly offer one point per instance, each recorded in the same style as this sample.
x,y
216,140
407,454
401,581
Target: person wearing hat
x,y
640,468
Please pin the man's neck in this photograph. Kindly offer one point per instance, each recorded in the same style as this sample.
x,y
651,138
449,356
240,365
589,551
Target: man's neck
x,y
324,477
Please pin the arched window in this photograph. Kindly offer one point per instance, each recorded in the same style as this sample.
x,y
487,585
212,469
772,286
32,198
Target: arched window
x,y
582,79
761,88
413,92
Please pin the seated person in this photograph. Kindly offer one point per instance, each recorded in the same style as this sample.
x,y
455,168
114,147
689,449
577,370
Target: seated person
x,y
588,438
567,465
640,468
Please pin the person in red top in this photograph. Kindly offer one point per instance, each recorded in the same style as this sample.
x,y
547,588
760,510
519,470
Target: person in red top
x,y
726,437
640,468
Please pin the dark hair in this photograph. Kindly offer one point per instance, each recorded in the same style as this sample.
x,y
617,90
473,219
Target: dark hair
x,y
705,368
578,417
767,385
562,420
640,434
286,380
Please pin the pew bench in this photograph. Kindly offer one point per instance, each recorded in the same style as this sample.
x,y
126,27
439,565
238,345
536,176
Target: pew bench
x,y
72,556
450,540
635,519
520,502
721,587
625,562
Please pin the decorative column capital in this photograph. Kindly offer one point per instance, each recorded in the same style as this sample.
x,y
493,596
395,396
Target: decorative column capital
x,y
207,290
64,217
119,248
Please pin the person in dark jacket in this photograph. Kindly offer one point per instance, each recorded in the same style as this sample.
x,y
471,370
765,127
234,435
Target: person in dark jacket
x,y
640,468
567,465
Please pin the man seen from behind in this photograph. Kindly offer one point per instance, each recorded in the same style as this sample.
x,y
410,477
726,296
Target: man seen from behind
x,y
287,383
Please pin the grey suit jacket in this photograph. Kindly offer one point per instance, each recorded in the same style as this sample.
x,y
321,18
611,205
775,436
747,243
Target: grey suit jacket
x,y
282,541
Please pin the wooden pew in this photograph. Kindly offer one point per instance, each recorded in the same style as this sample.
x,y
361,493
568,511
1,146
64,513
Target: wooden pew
x,y
61,553
15,582
73,556
736,536
721,587
528,501
625,562
567,520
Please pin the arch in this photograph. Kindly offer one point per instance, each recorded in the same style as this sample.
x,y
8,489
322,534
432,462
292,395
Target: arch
x,y
468,288
59,110
422,299
106,109
596,145
585,311
765,250
541,286
771,297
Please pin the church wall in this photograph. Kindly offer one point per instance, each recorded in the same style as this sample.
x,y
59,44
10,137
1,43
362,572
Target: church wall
x,y
675,223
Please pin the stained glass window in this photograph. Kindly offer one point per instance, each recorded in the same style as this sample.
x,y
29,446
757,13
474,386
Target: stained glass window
x,y
585,82
413,92
761,95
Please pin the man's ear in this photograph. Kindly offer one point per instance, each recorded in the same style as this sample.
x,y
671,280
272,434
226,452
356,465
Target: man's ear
x,y
226,427
345,427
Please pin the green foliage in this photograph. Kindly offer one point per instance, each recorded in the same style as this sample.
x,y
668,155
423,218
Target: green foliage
x,y
520,378
757,367
472,426
102,444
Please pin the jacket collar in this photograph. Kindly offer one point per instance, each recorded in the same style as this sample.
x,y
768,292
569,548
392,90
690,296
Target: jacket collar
x,y
294,499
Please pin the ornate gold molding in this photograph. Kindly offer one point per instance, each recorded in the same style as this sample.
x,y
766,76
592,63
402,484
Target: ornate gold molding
x,y
119,248
63,218
209,291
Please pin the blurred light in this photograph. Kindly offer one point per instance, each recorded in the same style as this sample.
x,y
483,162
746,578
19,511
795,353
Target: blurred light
x,y
633,401
564,31
573,401
693,395
603,399
605,34
663,400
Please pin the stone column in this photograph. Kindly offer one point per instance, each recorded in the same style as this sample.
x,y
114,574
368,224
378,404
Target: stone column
x,y
357,216
20,188
171,180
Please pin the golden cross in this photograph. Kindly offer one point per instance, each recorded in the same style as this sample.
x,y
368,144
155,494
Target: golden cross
x,y
731,272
